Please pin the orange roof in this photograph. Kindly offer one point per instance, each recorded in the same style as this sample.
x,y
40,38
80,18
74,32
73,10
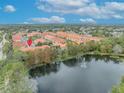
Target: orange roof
x,y
62,34
41,40
49,33
55,39
19,44
27,49
16,37
34,48
68,35
61,45
77,38
33,34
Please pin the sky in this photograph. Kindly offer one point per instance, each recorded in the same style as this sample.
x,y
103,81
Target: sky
x,y
61,11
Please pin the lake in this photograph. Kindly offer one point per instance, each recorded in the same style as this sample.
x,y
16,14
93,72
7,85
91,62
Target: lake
x,y
87,74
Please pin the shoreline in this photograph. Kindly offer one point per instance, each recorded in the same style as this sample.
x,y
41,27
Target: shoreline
x,y
118,57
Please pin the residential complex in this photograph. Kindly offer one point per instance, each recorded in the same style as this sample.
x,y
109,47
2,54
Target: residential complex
x,y
43,40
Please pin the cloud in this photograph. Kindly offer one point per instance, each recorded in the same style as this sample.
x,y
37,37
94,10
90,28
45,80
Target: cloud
x,y
53,19
63,6
115,6
88,21
9,8
84,8
26,23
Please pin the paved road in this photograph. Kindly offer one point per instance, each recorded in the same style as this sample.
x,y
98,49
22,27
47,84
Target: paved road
x,y
2,56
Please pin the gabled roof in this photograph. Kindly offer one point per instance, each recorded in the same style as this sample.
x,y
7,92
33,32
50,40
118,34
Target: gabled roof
x,y
39,40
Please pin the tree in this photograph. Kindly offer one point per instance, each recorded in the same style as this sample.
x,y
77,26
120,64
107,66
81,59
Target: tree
x,y
117,49
73,48
106,45
14,78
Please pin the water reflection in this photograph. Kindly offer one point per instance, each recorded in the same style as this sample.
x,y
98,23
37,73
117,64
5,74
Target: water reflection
x,y
70,63
86,74
44,70
100,58
78,61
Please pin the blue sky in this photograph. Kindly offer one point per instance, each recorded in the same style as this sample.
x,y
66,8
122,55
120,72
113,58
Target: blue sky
x,y
61,11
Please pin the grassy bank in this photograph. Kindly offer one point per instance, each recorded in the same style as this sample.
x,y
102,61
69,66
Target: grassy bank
x,y
14,77
119,88
117,57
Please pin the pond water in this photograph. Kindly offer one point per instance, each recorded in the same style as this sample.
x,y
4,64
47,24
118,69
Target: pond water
x,y
82,75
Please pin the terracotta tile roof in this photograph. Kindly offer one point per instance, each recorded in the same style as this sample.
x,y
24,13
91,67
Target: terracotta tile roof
x,y
33,34
61,45
62,34
27,49
19,44
77,38
55,39
49,33
41,40
16,37
34,48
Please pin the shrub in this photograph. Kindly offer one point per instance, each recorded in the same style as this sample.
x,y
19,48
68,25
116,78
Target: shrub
x,y
6,47
12,78
120,88
19,55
